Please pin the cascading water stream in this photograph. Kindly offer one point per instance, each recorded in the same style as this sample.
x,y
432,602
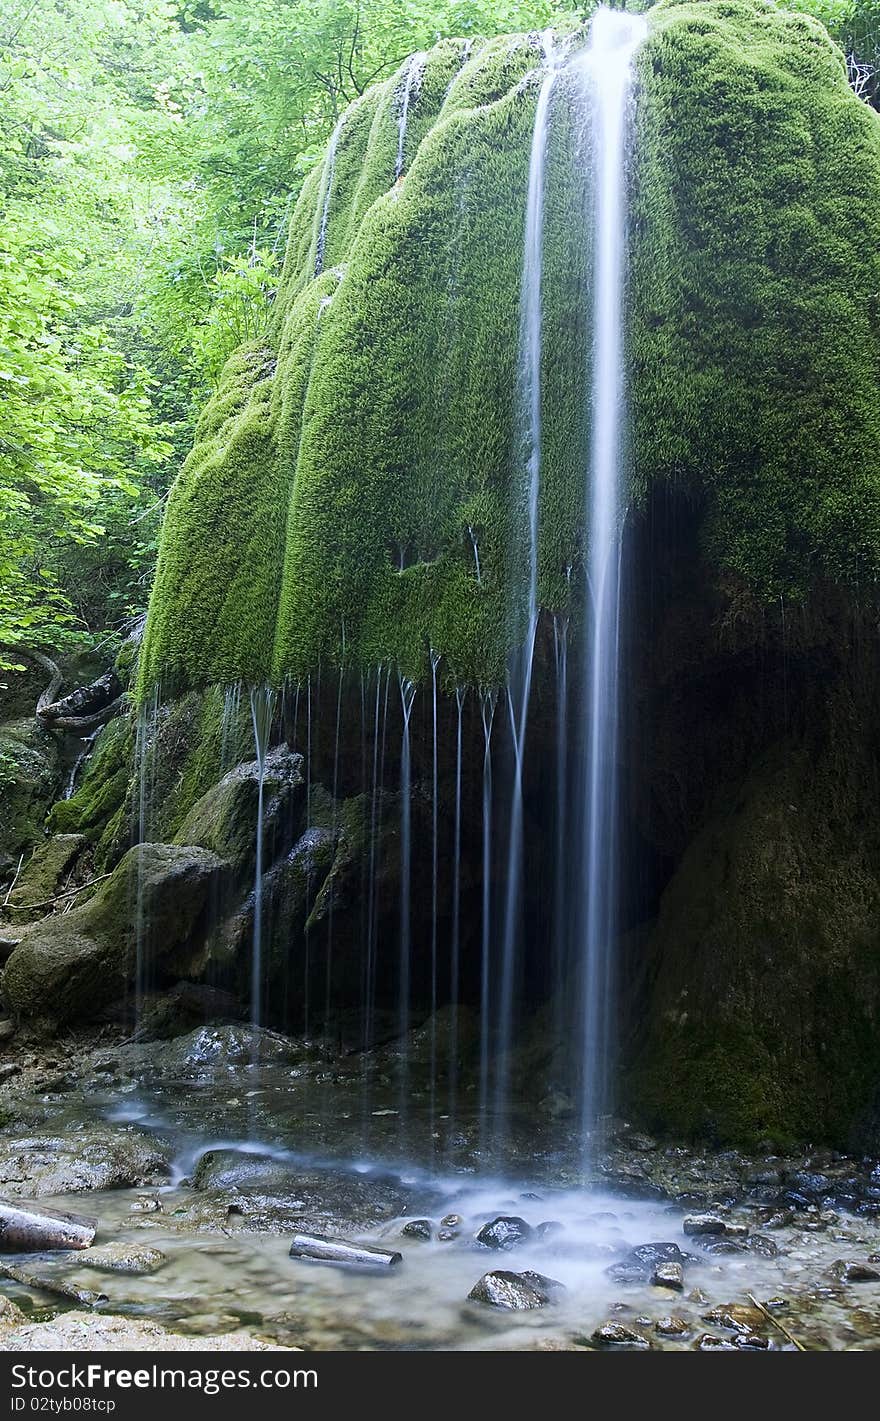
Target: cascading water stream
x,y
327,189
411,83
455,947
529,424
487,712
262,705
407,700
607,72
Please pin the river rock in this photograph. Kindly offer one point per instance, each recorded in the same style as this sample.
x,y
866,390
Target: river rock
x,y
699,1224
710,1342
639,1264
418,1228
38,1165
854,1271
506,1231
737,1317
668,1274
516,1292
69,966
615,1334
671,1326
120,1257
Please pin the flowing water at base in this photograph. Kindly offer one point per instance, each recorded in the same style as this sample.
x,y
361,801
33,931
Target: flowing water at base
x,y
224,1219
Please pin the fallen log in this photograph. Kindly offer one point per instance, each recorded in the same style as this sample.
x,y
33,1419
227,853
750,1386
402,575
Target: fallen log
x,y
321,1249
30,1228
58,1286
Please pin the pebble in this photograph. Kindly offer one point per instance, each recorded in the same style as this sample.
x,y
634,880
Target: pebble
x,y
671,1326
418,1228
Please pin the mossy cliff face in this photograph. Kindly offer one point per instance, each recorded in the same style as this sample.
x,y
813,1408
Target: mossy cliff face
x,y
346,467
764,1000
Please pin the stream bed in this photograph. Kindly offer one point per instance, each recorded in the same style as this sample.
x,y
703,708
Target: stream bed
x,y
201,1182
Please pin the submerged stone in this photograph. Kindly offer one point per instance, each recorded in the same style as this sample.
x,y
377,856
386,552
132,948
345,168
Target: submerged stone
x,y
130,1258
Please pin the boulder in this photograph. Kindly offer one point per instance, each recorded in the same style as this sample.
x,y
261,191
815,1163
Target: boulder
x,y
224,820
135,1259
68,967
515,1292
30,778
40,1165
45,872
212,1051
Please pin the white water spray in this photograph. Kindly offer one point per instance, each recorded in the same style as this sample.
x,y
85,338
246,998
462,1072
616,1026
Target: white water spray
x,y
607,72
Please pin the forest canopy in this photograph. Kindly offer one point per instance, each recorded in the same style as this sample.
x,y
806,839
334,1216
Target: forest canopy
x,y
151,152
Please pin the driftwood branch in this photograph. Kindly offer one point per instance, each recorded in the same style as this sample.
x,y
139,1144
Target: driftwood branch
x,y
776,1323
85,708
14,881
29,1279
50,902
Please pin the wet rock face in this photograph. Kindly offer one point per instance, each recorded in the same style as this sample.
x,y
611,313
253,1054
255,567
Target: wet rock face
x,y
69,967
215,1051
223,819
761,1024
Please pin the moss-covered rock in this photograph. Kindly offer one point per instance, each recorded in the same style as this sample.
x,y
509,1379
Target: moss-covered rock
x,y
97,809
224,820
765,961
45,872
68,967
30,778
346,469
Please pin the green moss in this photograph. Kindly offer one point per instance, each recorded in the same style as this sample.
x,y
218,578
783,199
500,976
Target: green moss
x,y
756,274
104,786
343,470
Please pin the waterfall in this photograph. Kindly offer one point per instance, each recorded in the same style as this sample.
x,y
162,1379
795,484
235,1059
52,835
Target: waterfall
x,y
407,700
410,85
606,68
326,193
529,429
487,712
262,703
455,949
